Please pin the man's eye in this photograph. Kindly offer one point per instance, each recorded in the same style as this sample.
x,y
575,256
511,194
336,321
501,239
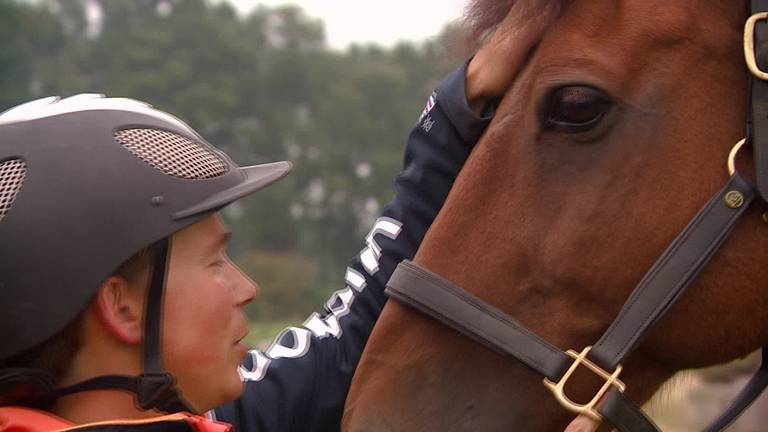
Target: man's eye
x,y
575,109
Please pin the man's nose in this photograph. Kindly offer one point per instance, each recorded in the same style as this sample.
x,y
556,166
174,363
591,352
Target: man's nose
x,y
247,289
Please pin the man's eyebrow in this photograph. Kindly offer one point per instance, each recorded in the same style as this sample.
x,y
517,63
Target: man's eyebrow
x,y
221,241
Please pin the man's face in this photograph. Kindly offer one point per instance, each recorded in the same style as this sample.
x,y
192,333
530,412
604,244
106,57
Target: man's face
x,y
204,321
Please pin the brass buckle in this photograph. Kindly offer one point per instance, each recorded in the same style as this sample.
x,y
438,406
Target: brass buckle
x,y
732,156
749,44
588,409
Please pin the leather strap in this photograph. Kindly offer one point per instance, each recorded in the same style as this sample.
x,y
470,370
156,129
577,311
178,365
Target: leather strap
x,y
440,299
744,399
676,268
672,273
623,414
759,101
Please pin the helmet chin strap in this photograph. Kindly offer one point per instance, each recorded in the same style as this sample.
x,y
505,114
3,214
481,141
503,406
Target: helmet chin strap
x,y
154,388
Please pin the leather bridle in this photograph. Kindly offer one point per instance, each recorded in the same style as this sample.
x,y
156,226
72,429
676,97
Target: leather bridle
x,y
659,289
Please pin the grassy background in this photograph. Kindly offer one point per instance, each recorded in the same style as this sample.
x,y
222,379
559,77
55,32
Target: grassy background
x,y
262,332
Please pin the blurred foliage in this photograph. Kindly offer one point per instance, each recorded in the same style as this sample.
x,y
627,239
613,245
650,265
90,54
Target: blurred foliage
x,y
262,87
294,275
262,333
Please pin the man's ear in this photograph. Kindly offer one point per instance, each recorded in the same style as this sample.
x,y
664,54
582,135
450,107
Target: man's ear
x,y
120,308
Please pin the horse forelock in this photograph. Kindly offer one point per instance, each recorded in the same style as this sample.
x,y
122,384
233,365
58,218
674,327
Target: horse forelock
x,y
483,16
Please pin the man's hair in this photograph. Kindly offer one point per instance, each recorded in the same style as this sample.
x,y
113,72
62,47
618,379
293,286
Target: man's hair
x,y
55,355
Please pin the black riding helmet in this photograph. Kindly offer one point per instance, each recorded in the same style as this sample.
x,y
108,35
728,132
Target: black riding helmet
x,y
85,183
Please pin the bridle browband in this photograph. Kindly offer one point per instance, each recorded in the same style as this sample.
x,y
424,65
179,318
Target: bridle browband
x,y
659,289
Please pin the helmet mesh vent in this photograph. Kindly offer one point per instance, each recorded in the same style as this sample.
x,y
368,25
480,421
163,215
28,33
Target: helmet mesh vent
x,y
12,173
172,154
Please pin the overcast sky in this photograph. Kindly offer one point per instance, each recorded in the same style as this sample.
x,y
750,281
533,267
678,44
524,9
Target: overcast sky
x,y
380,21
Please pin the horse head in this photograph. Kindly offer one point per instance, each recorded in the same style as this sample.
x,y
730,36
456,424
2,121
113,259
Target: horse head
x,y
610,139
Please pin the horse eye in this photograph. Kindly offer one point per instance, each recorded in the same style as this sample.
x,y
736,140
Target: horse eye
x,y
575,109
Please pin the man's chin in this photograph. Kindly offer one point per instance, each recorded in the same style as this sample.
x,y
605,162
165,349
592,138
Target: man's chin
x,y
232,387
233,392
235,389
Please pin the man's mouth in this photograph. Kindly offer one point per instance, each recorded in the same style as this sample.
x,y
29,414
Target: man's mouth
x,y
243,334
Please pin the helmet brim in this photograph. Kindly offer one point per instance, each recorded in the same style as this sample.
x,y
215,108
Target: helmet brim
x,y
254,178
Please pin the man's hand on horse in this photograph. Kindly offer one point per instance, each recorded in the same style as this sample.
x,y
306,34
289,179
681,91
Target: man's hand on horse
x,y
582,424
497,63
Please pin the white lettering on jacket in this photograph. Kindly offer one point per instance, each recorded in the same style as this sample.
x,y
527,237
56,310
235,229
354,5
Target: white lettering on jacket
x,y
294,342
370,256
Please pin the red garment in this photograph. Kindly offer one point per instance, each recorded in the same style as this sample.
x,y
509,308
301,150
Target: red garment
x,y
16,419
20,419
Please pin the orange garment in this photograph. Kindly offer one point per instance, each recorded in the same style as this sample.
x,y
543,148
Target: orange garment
x,y
21,419
17,419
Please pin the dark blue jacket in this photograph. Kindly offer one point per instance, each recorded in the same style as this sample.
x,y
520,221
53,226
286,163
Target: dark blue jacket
x,y
301,381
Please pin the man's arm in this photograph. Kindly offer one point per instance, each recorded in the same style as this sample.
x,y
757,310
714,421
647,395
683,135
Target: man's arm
x,y
300,382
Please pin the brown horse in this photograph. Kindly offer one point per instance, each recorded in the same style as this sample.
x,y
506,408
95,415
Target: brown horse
x,y
609,140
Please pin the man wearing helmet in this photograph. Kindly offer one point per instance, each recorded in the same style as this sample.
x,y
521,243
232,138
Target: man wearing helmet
x,y
118,299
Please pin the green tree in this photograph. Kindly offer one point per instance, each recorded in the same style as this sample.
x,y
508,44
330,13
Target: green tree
x,y
32,38
263,87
